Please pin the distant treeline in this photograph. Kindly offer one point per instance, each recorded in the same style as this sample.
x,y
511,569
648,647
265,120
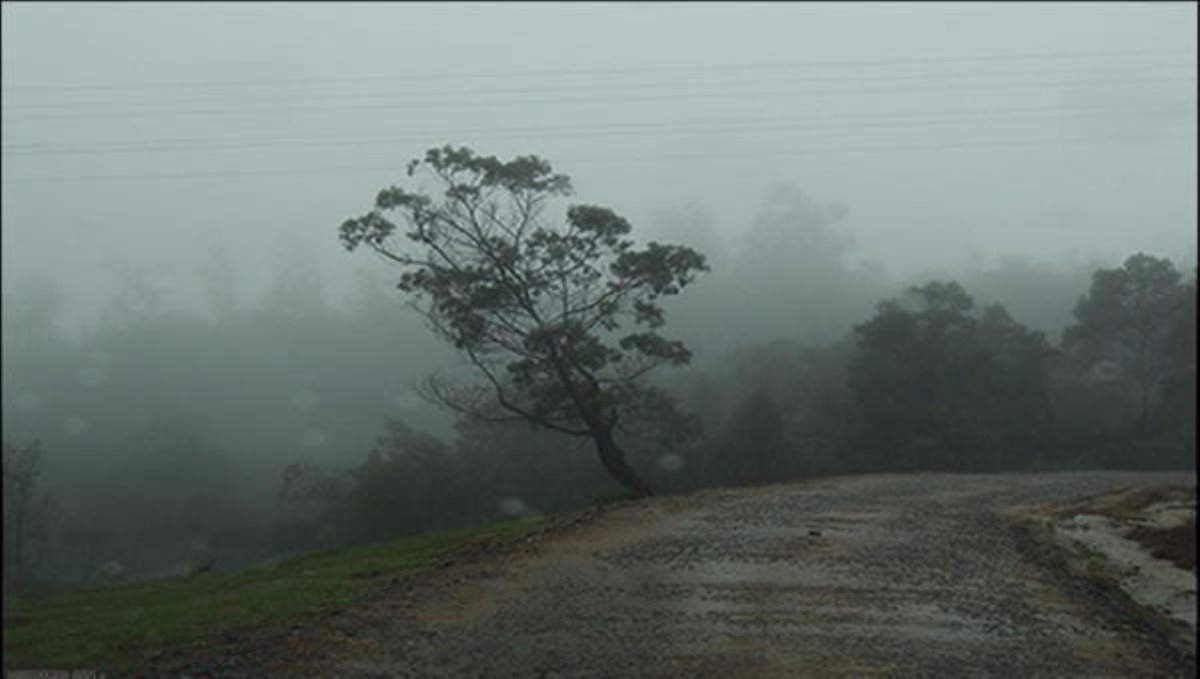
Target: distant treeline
x,y
168,438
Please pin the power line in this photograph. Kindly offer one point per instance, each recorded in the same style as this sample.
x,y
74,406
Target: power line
x,y
397,167
664,124
577,132
886,148
264,82
588,100
574,88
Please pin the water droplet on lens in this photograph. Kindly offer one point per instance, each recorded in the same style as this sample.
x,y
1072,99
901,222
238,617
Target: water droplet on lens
x,y
314,438
28,401
513,506
406,401
304,399
671,462
74,425
92,377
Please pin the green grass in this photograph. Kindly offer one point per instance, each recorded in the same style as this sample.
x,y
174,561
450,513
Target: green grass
x,y
113,627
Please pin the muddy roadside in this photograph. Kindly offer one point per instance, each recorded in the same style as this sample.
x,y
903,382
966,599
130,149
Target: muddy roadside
x,y
447,587
1135,546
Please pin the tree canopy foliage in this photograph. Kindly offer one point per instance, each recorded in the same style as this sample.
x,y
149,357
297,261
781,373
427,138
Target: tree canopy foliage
x,y
1135,317
561,321
939,383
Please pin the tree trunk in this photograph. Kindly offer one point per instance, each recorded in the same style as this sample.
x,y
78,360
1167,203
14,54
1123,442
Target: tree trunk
x,y
613,459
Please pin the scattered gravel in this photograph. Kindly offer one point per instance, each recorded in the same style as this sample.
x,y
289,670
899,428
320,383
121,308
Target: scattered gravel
x,y
905,575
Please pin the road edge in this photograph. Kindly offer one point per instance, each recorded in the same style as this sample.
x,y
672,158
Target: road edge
x,y
1091,577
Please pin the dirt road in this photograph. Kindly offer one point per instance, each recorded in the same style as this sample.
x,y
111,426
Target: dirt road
x,y
880,575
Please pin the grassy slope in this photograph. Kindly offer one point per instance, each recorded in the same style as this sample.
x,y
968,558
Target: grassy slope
x,y
112,627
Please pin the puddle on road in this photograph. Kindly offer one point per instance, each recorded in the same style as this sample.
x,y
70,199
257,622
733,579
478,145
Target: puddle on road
x,y
716,572
725,596
723,600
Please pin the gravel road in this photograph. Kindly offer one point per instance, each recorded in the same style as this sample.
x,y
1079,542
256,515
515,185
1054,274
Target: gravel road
x,y
907,575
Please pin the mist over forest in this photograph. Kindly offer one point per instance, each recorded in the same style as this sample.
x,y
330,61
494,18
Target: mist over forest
x,y
927,238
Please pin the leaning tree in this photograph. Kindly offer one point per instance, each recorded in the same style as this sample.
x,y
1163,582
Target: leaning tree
x,y
559,320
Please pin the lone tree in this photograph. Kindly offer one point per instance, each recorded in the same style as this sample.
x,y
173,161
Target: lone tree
x,y
542,312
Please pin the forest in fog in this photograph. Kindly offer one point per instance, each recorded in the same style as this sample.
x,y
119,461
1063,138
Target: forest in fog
x,y
798,240
293,421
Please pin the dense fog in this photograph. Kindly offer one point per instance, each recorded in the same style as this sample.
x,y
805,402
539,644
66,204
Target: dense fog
x,y
207,370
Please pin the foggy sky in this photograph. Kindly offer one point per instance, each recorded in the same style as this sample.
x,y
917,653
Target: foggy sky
x,y
343,95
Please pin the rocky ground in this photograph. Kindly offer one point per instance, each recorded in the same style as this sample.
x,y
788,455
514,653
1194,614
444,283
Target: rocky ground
x,y
907,575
